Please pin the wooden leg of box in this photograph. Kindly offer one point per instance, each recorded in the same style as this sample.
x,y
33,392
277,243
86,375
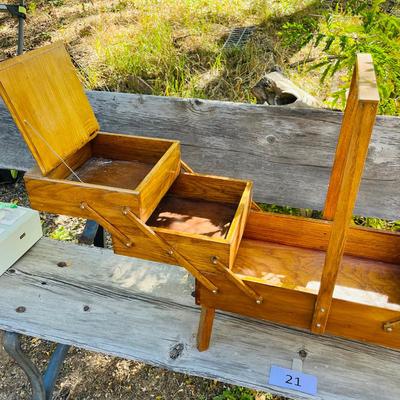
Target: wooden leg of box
x,y
205,328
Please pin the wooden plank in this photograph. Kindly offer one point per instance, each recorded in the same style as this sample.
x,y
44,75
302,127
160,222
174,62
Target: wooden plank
x,y
137,301
288,153
311,233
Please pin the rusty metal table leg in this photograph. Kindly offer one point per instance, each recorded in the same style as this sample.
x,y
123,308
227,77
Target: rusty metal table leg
x,y
42,386
12,345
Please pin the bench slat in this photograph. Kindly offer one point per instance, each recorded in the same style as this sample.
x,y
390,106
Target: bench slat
x,y
140,310
287,152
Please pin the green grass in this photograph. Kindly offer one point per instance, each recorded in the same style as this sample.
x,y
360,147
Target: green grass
x,y
176,47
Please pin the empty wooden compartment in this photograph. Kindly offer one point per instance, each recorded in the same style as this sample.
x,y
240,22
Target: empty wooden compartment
x,y
201,217
79,167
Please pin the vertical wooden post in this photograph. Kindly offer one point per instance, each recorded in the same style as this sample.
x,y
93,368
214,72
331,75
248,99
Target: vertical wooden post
x,y
205,328
351,153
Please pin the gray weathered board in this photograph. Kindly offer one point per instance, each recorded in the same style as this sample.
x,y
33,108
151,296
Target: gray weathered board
x,y
287,152
141,310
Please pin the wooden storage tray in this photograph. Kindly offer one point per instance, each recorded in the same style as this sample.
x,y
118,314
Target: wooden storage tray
x,y
200,217
282,258
49,106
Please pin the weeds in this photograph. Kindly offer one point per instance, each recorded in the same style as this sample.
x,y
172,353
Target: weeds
x,y
240,393
350,28
62,234
176,48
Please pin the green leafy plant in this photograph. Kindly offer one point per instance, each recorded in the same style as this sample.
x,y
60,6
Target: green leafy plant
x,y
61,234
377,223
241,393
236,393
353,27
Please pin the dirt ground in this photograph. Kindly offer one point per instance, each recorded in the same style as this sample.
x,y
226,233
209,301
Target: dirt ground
x,y
87,375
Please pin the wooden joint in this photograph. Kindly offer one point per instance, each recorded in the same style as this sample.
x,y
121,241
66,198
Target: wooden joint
x,y
163,244
389,325
320,319
107,225
186,167
248,291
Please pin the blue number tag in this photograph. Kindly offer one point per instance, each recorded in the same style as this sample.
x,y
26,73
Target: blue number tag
x,y
294,380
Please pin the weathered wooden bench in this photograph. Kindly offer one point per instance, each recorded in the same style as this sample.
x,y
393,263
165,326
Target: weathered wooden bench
x,y
288,153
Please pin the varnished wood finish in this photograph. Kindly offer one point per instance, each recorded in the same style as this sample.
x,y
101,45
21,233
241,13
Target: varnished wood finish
x,y
341,150
155,299
287,152
352,153
295,309
280,305
48,104
205,328
114,173
314,234
96,216
147,182
280,258
75,161
361,322
156,184
163,154
187,168
360,280
237,281
117,146
47,101
319,273
213,188
202,217
194,218
239,222
171,251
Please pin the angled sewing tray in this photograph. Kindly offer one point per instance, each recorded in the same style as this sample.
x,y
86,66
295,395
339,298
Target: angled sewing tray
x,y
120,181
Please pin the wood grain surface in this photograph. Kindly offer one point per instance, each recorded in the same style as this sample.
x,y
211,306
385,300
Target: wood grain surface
x,y
43,93
350,157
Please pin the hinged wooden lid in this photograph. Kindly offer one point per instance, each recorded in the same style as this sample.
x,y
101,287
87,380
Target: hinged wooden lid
x,y
46,99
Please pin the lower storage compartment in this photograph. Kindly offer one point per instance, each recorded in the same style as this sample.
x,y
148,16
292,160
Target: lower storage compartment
x,y
276,261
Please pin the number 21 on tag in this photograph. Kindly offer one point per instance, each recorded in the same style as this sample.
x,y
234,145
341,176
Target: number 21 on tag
x,y
291,379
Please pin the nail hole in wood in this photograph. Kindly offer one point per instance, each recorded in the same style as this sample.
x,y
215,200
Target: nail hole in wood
x,y
62,264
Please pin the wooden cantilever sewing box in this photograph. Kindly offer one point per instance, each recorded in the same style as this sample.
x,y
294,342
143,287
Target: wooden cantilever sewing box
x,y
322,275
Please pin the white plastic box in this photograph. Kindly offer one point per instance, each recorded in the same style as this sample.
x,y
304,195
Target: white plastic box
x,y
20,229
